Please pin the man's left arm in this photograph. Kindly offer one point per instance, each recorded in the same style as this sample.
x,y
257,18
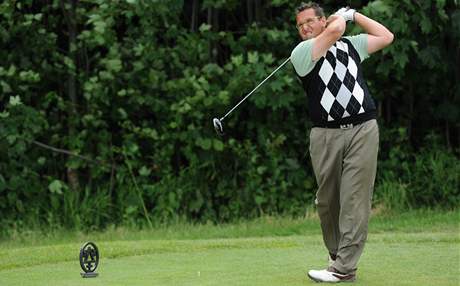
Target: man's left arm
x,y
378,35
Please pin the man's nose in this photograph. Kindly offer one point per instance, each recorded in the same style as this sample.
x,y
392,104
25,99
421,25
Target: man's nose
x,y
304,28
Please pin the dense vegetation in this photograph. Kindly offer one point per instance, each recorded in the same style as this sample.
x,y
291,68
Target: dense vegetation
x,y
106,109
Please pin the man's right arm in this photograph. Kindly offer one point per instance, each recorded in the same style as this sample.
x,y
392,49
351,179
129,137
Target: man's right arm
x,y
334,30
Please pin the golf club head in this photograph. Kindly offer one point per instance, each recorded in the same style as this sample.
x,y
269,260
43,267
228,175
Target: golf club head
x,y
218,126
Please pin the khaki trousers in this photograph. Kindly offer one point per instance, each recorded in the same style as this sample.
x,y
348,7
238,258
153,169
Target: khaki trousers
x,y
345,163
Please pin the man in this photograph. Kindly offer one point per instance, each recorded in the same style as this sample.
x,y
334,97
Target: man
x,y
344,138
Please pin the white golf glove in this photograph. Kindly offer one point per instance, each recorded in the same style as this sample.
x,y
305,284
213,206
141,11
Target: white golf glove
x,y
347,13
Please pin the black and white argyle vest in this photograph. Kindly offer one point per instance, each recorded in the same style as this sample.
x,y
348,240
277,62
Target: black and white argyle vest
x,y
336,90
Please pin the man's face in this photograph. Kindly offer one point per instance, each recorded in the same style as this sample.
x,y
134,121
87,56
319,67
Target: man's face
x,y
309,25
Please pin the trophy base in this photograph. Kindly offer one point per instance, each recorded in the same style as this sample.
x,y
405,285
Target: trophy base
x,y
88,274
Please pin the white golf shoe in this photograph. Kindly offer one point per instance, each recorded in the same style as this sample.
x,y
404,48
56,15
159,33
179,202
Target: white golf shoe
x,y
329,276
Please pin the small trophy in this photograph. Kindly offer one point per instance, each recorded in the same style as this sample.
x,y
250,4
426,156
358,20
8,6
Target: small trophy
x,y
89,259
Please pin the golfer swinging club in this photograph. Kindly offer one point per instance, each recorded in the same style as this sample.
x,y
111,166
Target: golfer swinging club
x,y
344,138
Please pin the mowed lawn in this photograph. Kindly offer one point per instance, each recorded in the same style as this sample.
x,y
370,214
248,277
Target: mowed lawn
x,y
413,249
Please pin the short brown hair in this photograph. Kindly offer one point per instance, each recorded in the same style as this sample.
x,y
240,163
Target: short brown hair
x,y
311,5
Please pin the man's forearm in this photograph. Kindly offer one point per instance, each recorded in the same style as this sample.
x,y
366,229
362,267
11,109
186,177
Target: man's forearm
x,y
372,27
336,23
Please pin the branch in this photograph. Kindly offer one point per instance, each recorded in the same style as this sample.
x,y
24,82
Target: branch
x,y
67,152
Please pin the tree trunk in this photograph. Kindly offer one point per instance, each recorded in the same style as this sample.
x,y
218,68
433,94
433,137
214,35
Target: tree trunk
x,y
249,11
210,23
69,11
379,110
258,10
411,110
213,21
194,22
388,109
209,15
447,133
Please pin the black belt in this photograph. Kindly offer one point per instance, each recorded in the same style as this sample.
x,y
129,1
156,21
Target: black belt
x,y
349,122
337,126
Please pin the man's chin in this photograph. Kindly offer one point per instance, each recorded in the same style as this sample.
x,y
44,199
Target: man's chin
x,y
307,36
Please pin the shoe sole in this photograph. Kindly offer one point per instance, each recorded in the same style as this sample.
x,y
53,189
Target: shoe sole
x,y
317,281
341,281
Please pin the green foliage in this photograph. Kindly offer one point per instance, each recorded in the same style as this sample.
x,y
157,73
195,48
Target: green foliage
x,y
130,89
443,170
408,179
418,74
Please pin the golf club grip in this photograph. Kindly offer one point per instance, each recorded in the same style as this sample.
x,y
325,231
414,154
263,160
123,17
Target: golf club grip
x,y
273,72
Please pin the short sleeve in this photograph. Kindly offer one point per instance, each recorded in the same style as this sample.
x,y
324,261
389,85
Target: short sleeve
x,y
301,58
359,42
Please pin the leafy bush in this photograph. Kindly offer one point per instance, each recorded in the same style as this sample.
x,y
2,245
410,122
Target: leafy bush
x,y
129,89
428,177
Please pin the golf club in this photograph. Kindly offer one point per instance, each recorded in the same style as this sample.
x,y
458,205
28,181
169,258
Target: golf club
x,y
218,122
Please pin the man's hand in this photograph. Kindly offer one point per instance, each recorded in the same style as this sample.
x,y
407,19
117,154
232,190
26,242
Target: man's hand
x,y
347,13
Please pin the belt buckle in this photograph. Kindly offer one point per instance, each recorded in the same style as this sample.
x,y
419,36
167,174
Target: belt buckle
x,y
346,126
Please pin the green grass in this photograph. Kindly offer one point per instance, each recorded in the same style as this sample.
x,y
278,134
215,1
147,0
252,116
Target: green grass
x,y
416,248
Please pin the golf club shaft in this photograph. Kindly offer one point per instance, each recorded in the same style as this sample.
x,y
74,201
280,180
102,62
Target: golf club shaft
x,y
255,88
